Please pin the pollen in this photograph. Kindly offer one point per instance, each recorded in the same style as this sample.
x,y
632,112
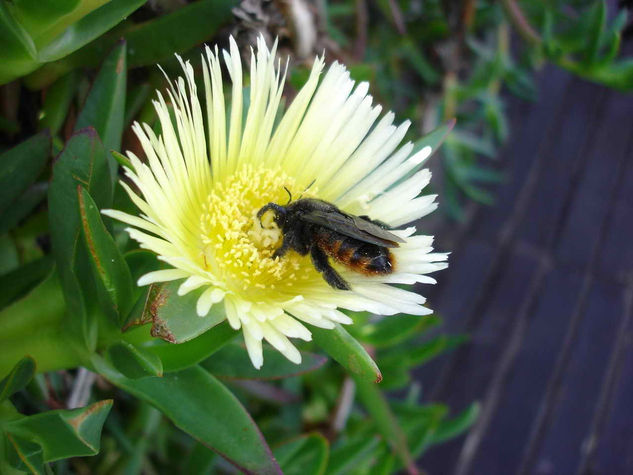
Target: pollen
x,y
236,245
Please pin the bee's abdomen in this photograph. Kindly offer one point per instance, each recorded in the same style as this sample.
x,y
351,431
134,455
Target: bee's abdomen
x,y
360,256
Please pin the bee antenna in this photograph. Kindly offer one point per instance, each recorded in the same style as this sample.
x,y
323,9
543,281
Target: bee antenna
x,y
289,195
307,188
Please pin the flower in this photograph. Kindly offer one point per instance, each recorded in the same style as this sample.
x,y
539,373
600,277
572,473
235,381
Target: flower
x,y
210,171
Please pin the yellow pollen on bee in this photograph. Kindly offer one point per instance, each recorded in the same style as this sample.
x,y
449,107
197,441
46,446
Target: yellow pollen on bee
x,y
237,245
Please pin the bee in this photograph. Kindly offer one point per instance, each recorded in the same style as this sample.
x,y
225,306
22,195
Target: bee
x,y
316,227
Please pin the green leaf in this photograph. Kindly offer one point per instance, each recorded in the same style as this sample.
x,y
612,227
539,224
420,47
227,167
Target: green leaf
x,y
350,354
18,53
176,357
24,455
598,17
304,455
158,39
378,407
149,42
204,408
57,102
33,32
22,206
435,138
81,163
105,106
20,167
88,28
199,460
389,331
134,362
435,347
111,272
458,425
64,433
472,142
9,257
18,378
419,423
21,280
232,362
350,452
174,318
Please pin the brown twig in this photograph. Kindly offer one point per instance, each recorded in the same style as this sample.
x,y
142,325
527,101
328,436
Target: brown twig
x,y
518,20
361,30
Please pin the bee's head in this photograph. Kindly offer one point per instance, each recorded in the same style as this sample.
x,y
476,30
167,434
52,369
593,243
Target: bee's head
x,y
279,213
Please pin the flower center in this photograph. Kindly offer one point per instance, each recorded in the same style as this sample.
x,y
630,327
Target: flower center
x,y
237,246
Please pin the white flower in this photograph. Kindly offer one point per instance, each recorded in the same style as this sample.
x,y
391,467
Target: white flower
x,y
210,171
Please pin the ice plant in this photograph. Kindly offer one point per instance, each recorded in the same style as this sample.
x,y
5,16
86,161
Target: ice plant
x,y
210,170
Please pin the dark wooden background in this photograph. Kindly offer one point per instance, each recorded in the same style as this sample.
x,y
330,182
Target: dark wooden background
x,y
543,283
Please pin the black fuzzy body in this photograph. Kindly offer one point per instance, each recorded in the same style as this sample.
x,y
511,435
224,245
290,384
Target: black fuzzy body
x,y
319,228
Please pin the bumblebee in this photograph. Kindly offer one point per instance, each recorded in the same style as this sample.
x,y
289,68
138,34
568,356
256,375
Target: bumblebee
x,y
316,227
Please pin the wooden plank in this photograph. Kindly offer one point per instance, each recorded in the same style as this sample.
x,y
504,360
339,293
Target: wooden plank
x,y
609,450
467,377
562,442
592,197
564,160
530,131
509,429
455,299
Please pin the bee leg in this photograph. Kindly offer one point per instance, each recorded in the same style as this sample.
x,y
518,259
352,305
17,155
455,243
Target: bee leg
x,y
321,263
281,251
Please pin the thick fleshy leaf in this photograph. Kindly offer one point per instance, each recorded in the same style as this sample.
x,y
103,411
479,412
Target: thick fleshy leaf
x,y
34,325
157,40
134,362
18,53
64,433
305,455
342,347
174,318
105,106
18,378
419,423
451,428
112,275
149,42
88,28
57,102
204,408
18,282
350,452
81,163
20,167
433,348
24,455
176,357
232,362
22,206
199,460
378,407
390,331
435,138
48,31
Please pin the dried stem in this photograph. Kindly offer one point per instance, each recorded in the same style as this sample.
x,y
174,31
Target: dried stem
x,y
518,20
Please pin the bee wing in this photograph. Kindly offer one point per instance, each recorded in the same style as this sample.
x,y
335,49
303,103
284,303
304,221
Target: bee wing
x,y
353,226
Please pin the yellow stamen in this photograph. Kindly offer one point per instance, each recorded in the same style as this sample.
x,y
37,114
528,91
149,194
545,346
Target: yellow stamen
x,y
240,248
